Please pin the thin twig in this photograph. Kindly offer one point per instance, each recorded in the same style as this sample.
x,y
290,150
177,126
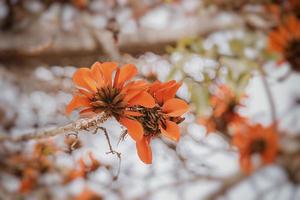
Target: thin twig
x,y
79,125
228,183
112,151
269,95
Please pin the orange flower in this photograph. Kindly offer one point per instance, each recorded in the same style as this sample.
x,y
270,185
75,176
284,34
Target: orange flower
x,y
161,119
255,140
224,103
286,41
97,92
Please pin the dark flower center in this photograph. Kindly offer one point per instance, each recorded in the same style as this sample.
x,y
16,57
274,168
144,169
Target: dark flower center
x,y
110,100
258,146
292,54
151,119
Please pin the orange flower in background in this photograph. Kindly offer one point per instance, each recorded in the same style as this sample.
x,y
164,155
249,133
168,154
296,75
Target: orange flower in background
x,y
295,5
163,119
29,180
83,169
281,8
80,3
224,103
97,91
286,41
254,140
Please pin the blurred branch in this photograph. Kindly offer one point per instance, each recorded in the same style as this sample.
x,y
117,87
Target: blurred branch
x,y
227,184
79,125
269,95
177,183
34,42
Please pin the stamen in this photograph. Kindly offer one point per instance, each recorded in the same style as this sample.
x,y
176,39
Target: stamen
x,y
109,99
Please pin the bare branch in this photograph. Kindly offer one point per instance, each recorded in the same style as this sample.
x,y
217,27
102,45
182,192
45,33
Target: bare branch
x,y
228,183
79,125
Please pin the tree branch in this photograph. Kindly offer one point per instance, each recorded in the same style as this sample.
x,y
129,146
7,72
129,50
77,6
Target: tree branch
x,y
79,125
228,183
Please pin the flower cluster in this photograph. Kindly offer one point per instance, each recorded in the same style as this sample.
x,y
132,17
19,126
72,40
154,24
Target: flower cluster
x,y
252,141
32,167
146,110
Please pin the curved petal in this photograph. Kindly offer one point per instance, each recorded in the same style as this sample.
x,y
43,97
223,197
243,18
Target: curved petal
x,y
172,131
88,112
135,85
82,77
77,102
135,129
143,99
107,69
123,74
144,150
175,107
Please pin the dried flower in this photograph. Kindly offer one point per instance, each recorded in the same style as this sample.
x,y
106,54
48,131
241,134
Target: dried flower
x,y
255,140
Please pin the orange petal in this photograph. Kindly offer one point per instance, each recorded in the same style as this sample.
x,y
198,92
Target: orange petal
x,y
97,74
132,113
123,74
175,107
77,102
136,85
82,77
135,129
89,112
144,150
85,93
143,99
172,131
133,89
159,90
171,92
107,69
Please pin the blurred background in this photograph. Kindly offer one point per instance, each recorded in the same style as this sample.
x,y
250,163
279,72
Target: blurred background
x,y
201,43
